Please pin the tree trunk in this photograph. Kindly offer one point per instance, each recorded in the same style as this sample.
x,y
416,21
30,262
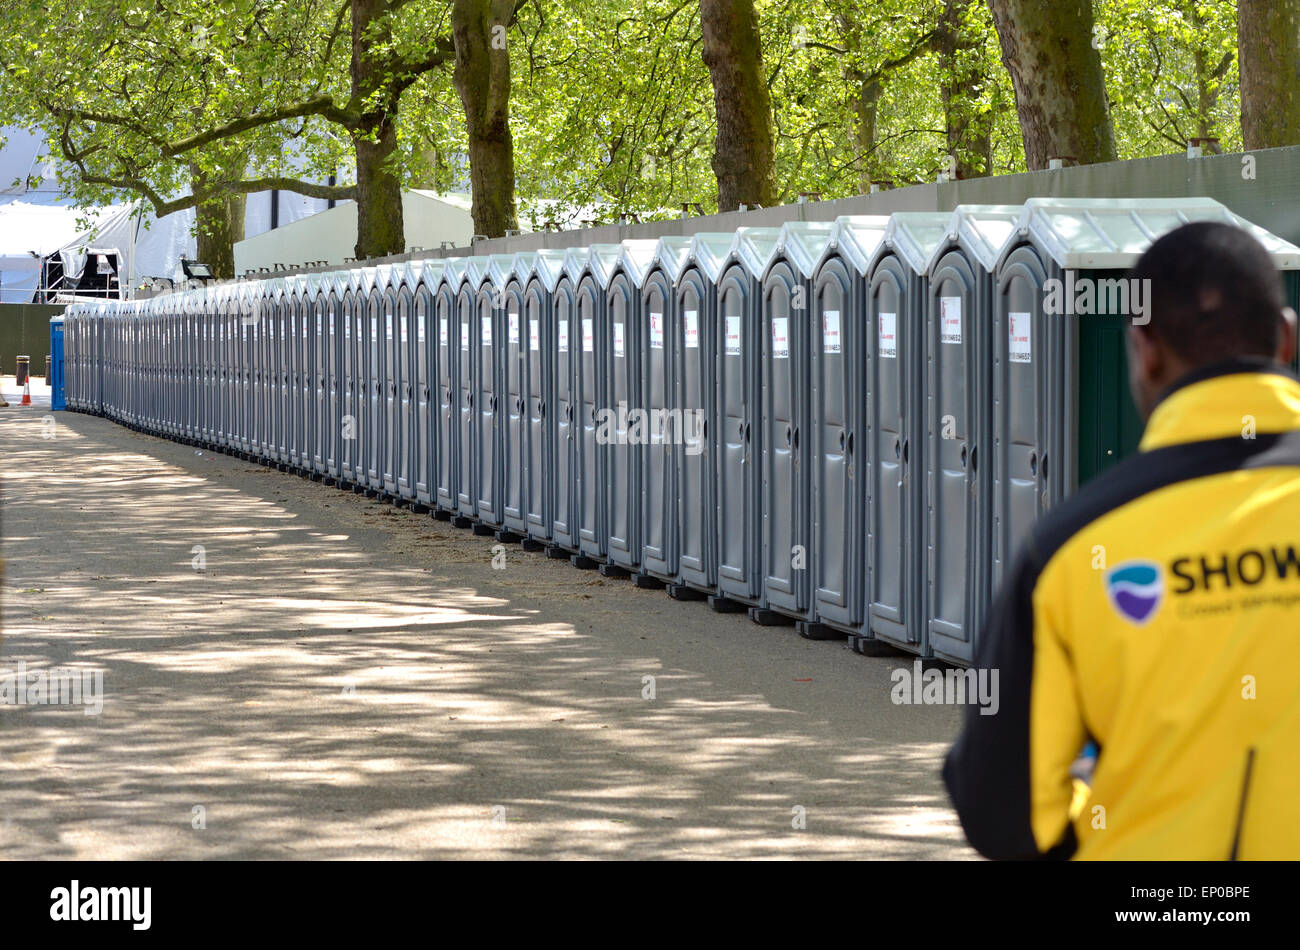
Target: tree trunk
x,y
969,132
1268,40
1060,91
218,225
380,229
866,106
482,80
743,154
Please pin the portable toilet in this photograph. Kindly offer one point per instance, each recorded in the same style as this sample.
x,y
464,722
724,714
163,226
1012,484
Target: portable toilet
x,y
1062,412
633,344
663,426
590,392
840,350
540,275
58,373
695,366
402,450
513,403
566,540
957,384
423,277
895,417
739,349
785,415
447,385
486,343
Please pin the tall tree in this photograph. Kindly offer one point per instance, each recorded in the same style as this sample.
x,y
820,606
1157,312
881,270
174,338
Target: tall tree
x,y
482,77
1268,32
968,123
743,156
1048,48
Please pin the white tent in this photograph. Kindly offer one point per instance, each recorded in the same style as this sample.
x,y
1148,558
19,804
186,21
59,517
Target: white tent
x,y
36,219
331,236
29,232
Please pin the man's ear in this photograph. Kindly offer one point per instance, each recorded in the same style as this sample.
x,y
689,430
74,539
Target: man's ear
x,y
1148,355
1287,338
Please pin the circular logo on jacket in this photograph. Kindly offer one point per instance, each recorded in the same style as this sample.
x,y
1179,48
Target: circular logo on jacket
x,y
1136,589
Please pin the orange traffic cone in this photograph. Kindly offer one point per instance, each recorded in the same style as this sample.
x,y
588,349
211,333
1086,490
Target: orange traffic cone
x,y
27,392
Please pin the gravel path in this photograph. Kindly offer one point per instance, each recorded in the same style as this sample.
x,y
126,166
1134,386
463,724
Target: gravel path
x,y
344,679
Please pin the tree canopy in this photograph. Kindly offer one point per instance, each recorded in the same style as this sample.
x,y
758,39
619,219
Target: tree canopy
x,y
584,110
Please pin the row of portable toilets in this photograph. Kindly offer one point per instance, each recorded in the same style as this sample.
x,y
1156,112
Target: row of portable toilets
x,y
847,425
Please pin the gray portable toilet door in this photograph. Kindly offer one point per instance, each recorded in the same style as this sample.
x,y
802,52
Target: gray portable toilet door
x,y
370,437
890,422
394,377
231,353
308,396
336,385
466,379
659,433
319,398
738,335
539,427
615,431
692,506
280,382
955,318
837,361
347,424
300,376
1021,405
514,453
360,323
445,383
286,346
588,378
262,343
228,373
785,403
486,369
404,453
265,365
231,346
391,377
424,443
291,308
564,481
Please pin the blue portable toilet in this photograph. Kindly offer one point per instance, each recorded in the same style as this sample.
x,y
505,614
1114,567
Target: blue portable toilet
x,y
58,373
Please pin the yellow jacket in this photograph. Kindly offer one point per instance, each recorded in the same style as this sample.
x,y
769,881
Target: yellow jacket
x,y
1157,613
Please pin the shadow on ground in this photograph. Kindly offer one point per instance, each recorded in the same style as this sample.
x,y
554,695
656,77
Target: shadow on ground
x,y
344,679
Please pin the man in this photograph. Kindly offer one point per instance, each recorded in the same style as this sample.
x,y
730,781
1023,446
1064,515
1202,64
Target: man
x,y
1157,612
